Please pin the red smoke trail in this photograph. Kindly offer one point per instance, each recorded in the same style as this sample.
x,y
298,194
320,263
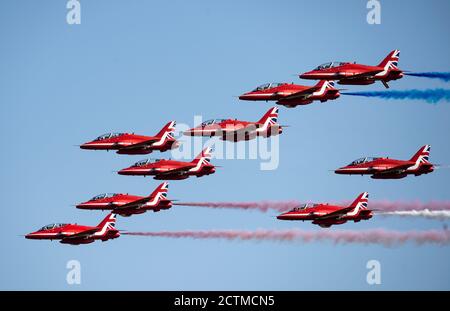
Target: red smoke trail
x,y
263,206
375,236
283,206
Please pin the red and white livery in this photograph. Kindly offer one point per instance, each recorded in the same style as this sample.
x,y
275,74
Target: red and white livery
x,y
77,234
357,74
236,130
126,143
163,169
385,168
292,95
326,215
127,204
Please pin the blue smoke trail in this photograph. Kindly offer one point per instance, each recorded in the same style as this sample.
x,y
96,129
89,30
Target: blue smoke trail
x,y
445,76
431,96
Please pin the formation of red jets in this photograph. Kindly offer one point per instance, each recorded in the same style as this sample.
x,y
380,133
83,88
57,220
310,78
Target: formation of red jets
x,y
233,130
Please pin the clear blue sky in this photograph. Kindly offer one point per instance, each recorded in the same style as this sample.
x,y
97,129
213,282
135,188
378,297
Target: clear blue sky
x,y
133,65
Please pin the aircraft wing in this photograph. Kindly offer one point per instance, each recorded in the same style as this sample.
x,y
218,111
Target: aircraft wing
x,y
302,94
249,129
394,169
366,74
134,204
141,145
81,234
178,170
336,214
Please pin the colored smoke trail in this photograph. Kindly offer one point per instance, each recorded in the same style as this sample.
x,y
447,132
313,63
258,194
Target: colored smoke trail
x,y
374,236
262,206
440,215
284,206
431,96
444,76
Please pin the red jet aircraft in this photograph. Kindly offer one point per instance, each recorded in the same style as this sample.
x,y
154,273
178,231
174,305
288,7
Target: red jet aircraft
x,y
356,74
326,215
163,169
76,234
126,143
292,95
385,168
127,205
236,130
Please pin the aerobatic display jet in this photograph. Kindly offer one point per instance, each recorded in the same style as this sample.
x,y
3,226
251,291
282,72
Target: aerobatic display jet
x,y
237,130
326,215
126,143
127,205
357,74
292,95
77,234
385,168
163,169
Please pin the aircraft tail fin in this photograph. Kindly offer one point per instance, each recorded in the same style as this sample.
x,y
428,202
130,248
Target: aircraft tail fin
x,y
324,86
391,61
325,83
108,223
422,155
270,118
166,133
161,191
360,202
204,156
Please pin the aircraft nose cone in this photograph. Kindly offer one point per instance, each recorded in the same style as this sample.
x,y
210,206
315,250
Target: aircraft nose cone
x,y
282,217
339,170
81,205
124,171
244,96
29,236
89,145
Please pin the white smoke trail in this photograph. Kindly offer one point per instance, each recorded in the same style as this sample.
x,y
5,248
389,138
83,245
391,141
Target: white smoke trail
x,y
440,215
391,206
374,236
